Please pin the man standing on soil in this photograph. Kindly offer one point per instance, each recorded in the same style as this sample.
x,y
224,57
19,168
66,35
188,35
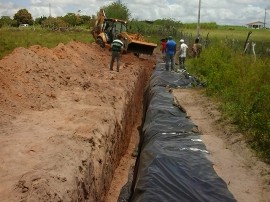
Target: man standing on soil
x,y
170,52
116,48
182,54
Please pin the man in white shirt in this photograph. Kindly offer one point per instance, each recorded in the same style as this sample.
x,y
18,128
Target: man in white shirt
x,y
116,47
182,54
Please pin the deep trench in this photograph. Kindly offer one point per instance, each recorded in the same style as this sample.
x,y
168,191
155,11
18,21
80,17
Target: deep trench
x,y
172,163
132,124
125,191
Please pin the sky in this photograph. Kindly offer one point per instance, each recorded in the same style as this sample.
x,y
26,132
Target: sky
x,y
223,12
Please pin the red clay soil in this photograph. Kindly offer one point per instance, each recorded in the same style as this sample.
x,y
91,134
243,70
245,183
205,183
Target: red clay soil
x,y
66,120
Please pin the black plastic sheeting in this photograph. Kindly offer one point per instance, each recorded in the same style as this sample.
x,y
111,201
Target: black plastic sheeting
x,y
160,77
172,163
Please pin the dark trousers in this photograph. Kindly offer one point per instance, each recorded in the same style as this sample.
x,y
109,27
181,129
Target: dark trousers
x,y
169,58
182,62
115,56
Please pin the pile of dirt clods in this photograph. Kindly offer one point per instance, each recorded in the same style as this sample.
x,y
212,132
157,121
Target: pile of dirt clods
x,y
66,120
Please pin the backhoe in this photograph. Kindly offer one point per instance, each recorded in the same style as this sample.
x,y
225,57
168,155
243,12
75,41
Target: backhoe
x,y
107,29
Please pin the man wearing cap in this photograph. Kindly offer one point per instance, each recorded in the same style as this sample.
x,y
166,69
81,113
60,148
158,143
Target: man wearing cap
x,y
170,52
182,54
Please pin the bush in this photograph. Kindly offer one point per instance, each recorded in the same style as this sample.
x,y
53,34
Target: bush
x,y
54,23
242,85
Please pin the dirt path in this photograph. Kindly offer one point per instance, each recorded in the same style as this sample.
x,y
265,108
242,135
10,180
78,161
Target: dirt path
x,y
247,178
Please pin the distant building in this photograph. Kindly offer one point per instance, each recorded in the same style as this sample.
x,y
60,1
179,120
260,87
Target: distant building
x,y
255,25
23,25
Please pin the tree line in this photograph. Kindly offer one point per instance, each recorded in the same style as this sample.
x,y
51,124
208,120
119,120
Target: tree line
x,y
24,17
113,10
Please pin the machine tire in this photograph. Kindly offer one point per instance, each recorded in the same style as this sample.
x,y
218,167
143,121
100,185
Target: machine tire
x,y
137,54
100,42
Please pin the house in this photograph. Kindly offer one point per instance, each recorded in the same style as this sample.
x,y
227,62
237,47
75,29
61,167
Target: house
x,y
255,25
23,25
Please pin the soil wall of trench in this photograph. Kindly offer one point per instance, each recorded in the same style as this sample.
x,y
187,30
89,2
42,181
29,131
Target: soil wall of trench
x,y
66,120
93,187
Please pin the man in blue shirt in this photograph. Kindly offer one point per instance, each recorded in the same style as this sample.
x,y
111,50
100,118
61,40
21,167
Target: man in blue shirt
x,y
170,52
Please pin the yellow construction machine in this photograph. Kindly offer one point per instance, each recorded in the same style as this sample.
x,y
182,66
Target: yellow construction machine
x,y
107,29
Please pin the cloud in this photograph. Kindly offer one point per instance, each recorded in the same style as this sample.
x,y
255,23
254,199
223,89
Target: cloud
x,y
235,12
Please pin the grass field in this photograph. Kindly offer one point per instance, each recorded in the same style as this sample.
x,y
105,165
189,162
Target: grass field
x,y
236,36
257,35
25,37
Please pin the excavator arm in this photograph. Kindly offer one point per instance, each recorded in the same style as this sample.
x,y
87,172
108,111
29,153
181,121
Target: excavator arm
x,y
97,29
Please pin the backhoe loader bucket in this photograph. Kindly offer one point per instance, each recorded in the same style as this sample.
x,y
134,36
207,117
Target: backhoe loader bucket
x,y
141,47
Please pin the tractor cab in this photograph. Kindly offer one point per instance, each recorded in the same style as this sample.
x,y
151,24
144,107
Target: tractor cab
x,y
113,27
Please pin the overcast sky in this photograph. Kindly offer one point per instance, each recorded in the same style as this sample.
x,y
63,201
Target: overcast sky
x,y
223,12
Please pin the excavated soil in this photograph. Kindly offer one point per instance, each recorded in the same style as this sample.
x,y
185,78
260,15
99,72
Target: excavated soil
x,y
66,121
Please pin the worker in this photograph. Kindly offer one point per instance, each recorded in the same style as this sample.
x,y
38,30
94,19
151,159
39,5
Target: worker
x,y
170,52
196,48
182,54
163,48
116,48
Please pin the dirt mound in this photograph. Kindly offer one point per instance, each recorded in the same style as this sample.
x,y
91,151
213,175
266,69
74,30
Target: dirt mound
x,y
65,120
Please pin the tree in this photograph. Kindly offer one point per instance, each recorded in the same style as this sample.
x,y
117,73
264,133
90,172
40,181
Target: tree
x,y
40,20
72,19
23,17
117,10
54,23
7,21
85,19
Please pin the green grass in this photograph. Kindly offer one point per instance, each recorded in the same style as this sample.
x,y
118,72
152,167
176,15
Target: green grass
x,y
12,38
242,85
239,33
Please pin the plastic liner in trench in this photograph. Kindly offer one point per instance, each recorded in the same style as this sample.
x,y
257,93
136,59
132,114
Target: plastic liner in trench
x,y
172,163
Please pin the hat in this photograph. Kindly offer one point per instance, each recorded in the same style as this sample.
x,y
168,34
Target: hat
x,y
169,37
181,41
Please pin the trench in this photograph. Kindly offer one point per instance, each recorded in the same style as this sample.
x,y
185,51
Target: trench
x,y
172,162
